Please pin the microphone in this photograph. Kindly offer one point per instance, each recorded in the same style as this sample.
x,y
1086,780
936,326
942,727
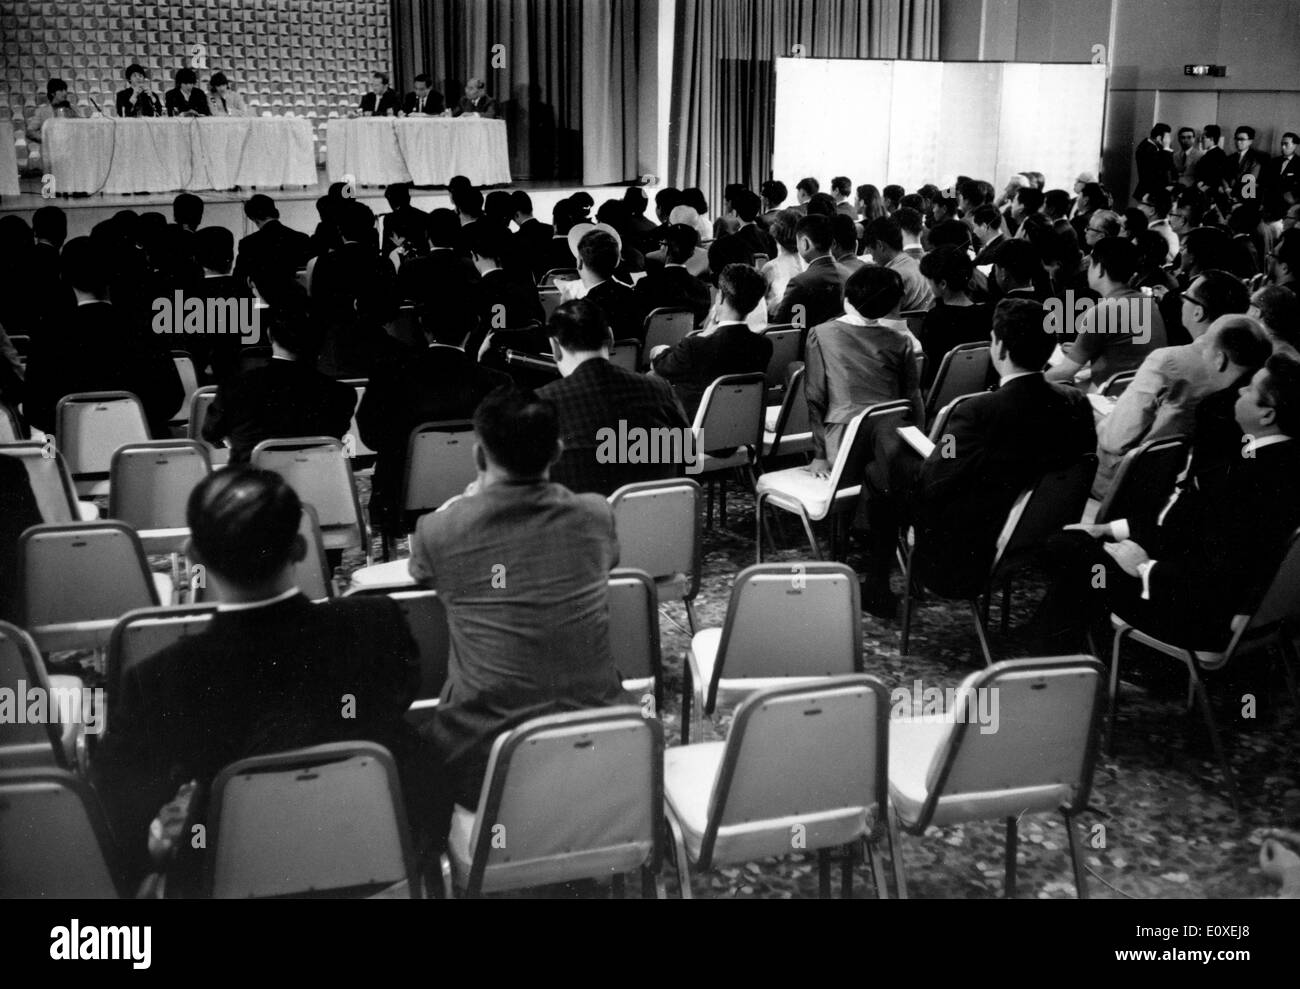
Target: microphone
x,y
94,104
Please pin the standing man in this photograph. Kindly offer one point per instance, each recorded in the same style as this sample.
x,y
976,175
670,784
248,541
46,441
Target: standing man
x,y
381,101
1212,167
1284,174
1245,166
138,100
425,101
1155,162
476,101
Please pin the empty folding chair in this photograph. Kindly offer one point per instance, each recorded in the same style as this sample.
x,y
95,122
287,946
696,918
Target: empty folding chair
x,y
812,498
323,820
1144,480
1275,624
47,472
803,768
626,354
558,275
658,525
573,796
785,340
318,469
963,371
200,402
189,378
79,578
550,299
634,635
1021,738
12,429
143,633
787,429
56,843
90,428
728,432
149,488
1053,501
665,327
51,743
784,622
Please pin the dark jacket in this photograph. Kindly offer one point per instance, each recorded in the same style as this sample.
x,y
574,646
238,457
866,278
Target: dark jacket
x,y
819,291
700,359
431,104
177,104
272,255
388,102
148,104
676,288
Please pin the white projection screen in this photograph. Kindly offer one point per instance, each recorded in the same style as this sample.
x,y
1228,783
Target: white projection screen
x,y
908,122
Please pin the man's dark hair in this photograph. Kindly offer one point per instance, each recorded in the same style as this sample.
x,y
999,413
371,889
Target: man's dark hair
x,y
186,76
1248,131
244,522
1019,260
1243,342
1095,194
929,192
1135,222
1116,257
948,264
497,206
217,79
262,207
50,223
55,85
444,228
821,204
1186,130
636,201
580,327
468,201
1279,310
1056,203
214,248
1281,388
1152,248
667,200
729,250
680,241
846,232
458,182
614,213
1295,138
1030,199
783,227
1220,294
187,210
742,287
294,330
975,192
694,198
1018,325
809,185
357,222
951,232
599,253
133,69
774,191
884,230
381,76
424,78
85,266
914,201
519,432
1213,132
893,193
488,239
818,230
909,219
874,291
1159,201
521,202
842,184
987,216
747,205
1208,247
1160,129
398,194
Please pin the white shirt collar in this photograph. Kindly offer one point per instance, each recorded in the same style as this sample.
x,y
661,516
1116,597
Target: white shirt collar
x,y
266,602
93,302
1012,377
1264,441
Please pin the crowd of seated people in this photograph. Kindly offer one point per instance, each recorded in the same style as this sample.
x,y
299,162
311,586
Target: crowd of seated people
x,y
1191,292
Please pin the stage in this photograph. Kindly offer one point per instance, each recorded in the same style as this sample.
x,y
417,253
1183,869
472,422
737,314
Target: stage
x,y
297,205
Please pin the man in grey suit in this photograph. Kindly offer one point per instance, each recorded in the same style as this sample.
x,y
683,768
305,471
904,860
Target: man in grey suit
x,y
817,294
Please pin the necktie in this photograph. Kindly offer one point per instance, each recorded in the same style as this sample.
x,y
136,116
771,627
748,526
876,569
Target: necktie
x,y
223,102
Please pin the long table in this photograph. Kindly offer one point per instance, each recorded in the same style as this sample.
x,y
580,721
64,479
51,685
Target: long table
x,y
8,166
110,154
420,150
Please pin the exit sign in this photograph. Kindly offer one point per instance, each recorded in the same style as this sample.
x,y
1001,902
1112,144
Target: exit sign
x,y
1205,70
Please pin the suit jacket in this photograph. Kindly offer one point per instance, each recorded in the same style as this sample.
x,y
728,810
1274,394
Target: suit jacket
x,y
216,358
673,287
985,255
819,290
1000,443
758,240
1282,175
148,105
98,349
484,106
532,243
257,681
445,285
283,399
600,395
390,101
18,511
506,301
701,358
1216,437
1211,168
536,644
177,104
1155,167
1240,165
352,297
415,215
946,327
272,255
432,103
621,308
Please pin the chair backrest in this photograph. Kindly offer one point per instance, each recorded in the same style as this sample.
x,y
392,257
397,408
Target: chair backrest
x,y
785,351
558,275
731,413
760,260
1281,604
915,319
317,468
940,424
326,818
550,299
659,528
51,483
626,354
1144,480
858,444
811,755
426,617
92,425
146,632
82,571
200,402
22,343
1056,499
1117,384
11,427
150,483
24,742
1026,725
790,620
792,421
56,845
576,795
405,326
666,325
439,464
634,628
189,381
964,369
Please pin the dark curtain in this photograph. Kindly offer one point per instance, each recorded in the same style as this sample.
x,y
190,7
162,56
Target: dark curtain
x,y
565,73
724,73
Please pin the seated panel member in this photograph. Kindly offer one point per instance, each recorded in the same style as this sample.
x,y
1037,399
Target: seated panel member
x,y
58,105
222,100
138,100
185,99
381,101
425,101
476,100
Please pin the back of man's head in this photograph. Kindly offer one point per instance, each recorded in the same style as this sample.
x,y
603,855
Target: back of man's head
x,y
215,249
747,205
357,222
1056,203
1281,392
1152,248
884,230
846,233
244,524
808,186
1221,294
599,254
680,241
694,198
1019,260
909,219
1279,311
873,291
893,194
521,203
444,228
987,216
517,431
842,185
614,213
1242,340
292,329
774,191
952,233
819,231
1030,199
85,266
821,204
398,195
667,200
488,239
580,327
187,210
636,201
261,207
742,288
950,265
1213,132
1018,325
50,223
1116,258
729,249
468,201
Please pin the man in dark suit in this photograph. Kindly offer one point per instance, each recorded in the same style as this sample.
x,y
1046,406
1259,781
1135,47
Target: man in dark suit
x,y
381,101
476,100
673,285
1211,552
1211,169
598,259
272,253
1155,162
268,675
640,227
533,238
400,211
18,511
508,303
521,565
816,295
216,356
425,100
594,395
1282,175
445,283
995,446
138,100
185,99
729,346
98,348
1246,166
746,206
285,398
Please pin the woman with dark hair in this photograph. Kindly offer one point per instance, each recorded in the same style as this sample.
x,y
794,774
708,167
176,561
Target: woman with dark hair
x,y
185,99
778,272
1153,253
870,204
1133,223
224,101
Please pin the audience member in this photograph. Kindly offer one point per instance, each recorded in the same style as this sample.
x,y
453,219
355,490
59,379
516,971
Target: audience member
x,y
816,295
673,286
955,319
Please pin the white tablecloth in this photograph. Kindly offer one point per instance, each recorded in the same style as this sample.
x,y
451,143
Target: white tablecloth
x,y
107,154
8,165
422,150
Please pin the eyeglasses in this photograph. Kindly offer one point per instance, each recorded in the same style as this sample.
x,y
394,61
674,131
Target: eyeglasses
x,y
1188,297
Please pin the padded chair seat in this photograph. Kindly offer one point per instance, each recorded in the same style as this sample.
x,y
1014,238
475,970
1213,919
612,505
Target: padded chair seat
x,y
709,463
703,657
690,772
395,573
790,443
794,487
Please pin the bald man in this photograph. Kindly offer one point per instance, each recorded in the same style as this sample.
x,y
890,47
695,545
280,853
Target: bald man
x,y
476,100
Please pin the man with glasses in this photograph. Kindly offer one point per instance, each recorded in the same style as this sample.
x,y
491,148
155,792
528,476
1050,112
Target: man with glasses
x,y
1245,166
1284,175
